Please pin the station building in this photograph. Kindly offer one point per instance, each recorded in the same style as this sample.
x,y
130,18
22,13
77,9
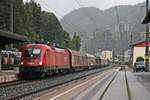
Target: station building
x,y
138,50
7,38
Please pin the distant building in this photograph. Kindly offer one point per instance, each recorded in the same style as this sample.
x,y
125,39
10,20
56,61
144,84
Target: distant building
x,y
107,54
119,58
139,50
127,55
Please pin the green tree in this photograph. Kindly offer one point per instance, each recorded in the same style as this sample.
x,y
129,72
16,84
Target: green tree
x,y
51,27
5,15
36,16
33,18
139,59
75,42
19,15
65,41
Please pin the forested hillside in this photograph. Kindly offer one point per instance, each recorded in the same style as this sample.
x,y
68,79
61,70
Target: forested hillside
x,y
31,21
102,29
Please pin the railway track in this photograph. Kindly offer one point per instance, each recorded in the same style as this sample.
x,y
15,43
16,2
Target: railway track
x,y
105,90
110,83
33,88
7,84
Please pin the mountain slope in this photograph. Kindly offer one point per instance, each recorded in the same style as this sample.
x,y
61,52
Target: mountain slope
x,y
89,22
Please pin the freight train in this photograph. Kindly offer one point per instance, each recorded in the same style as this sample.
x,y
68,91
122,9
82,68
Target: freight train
x,y
44,60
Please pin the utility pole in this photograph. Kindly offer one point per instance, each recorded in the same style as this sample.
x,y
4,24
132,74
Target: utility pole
x,y
94,40
131,38
11,19
131,48
11,16
120,39
147,40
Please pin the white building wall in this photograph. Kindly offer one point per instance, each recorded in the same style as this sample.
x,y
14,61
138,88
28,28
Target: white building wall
x,y
107,55
138,51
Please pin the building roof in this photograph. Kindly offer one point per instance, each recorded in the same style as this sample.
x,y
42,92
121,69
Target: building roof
x,y
147,18
8,37
140,44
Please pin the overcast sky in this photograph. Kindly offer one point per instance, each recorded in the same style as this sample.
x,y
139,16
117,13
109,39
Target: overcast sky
x,y
62,7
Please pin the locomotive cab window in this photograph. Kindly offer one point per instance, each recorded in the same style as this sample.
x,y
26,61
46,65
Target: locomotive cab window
x,y
32,52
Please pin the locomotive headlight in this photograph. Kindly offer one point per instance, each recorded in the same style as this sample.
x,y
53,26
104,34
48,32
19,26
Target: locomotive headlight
x,y
40,63
22,63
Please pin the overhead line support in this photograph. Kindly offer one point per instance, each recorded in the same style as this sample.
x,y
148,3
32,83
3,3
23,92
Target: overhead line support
x,y
147,40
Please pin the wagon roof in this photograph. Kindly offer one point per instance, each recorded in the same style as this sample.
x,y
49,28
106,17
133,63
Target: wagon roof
x,y
76,52
90,55
59,49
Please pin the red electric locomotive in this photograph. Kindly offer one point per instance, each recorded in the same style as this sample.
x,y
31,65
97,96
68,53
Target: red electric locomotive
x,y
41,59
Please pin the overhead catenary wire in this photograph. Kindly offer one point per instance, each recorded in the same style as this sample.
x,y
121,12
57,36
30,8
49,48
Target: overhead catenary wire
x,y
69,23
75,28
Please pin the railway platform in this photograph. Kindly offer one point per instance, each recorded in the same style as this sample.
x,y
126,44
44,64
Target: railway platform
x,y
121,85
8,76
126,86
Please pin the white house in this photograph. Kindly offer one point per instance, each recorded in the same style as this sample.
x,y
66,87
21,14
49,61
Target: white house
x,y
107,54
138,50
